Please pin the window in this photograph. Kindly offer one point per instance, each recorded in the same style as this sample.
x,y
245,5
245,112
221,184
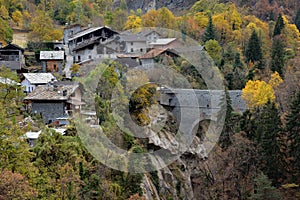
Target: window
x,y
55,67
141,50
131,49
90,57
131,43
78,58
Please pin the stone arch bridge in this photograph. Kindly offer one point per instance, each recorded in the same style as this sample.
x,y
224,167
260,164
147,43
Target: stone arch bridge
x,y
208,101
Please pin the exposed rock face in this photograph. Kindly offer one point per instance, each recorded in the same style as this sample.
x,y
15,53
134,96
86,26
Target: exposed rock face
x,y
174,180
173,5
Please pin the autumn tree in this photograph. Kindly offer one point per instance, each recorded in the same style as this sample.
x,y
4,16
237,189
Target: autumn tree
x,y
17,17
42,28
166,18
6,33
15,186
257,93
278,26
133,22
214,49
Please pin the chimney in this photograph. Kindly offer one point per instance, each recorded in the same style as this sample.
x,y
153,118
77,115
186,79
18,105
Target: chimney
x,y
55,87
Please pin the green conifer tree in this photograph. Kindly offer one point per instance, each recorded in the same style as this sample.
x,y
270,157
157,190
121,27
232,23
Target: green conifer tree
x,y
263,189
278,26
225,137
209,33
268,133
254,51
277,55
297,19
293,130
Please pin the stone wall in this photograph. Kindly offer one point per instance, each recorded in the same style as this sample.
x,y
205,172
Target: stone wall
x,y
48,110
208,101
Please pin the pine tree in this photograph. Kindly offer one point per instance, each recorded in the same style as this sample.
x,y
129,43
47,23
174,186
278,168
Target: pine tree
x,y
278,26
293,130
225,137
277,55
254,52
297,19
268,137
209,33
264,190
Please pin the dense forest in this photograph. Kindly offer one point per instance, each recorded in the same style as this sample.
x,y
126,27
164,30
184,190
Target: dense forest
x,y
256,46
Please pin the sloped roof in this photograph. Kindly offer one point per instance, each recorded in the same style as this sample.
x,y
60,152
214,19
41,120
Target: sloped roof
x,y
87,43
152,53
38,78
8,81
147,32
52,55
87,31
163,41
52,92
133,38
12,47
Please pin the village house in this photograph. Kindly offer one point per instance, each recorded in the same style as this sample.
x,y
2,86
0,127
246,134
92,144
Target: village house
x,y
150,35
32,80
70,30
156,55
52,61
53,101
164,43
92,50
11,56
92,33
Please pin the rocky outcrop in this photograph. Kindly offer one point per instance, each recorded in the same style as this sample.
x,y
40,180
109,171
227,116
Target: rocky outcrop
x,y
175,6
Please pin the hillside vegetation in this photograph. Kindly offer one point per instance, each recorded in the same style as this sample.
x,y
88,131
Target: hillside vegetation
x,y
256,46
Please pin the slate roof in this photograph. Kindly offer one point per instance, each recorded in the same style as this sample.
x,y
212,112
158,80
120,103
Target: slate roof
x,y
147,32
152,53
163,41
87,31
38,78
8,81
53,92
12,47
132,38
52,55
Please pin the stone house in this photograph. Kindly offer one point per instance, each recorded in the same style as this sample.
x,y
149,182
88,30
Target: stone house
x,y
52,101
134,44
70,30
150,35
32,80
156,55
52,61
86,36
92,50
164,43
11,56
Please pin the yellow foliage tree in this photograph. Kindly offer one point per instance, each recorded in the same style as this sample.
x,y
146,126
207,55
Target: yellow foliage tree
x,y
17,17
257,93
275,80
133,22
